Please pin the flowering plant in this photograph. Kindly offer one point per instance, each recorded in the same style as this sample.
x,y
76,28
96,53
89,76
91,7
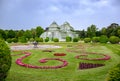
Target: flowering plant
x,y
19,62
59,54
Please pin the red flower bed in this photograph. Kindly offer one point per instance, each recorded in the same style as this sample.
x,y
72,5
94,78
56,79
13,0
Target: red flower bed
x,y
84,57
47,51
59,54
89,65
19,62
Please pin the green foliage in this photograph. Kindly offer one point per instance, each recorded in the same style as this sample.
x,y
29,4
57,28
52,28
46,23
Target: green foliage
x,y
20,33
112,29
31,40
11,34
22,39
15,40
103,39
5,60
27,34
91,31
39,31
46,39
41,39
114,74
118,32
103,31
87,40
75,39
56,40
9,40
95,39
2,34
37,39
114,39
68,39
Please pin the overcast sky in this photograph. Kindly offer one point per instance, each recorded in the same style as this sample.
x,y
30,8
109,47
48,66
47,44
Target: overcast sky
x,y
27,14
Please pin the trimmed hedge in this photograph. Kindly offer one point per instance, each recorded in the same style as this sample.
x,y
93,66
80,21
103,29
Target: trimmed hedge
x,y
114,74
5,60
39,39
95,39
114,39
103,39
56,40
68,39
75,39
87,40
46,39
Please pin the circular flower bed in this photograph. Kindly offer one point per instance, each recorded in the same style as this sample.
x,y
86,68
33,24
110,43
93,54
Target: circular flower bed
x,y
84,57
59,54
19,62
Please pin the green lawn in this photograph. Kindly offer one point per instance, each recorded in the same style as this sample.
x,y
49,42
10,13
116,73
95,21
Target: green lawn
x,y
70,72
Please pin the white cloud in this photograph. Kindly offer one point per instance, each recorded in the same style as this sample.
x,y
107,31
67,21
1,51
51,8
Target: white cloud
x,y
54,8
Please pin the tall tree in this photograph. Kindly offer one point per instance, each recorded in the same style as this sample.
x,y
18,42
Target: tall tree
x,y
83,34
2,34
39,31
19,33
112,29
33,31
91,31
11,34
28,34
103,31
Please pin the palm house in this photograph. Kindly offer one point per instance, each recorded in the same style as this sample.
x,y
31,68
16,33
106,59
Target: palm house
x,y
60,32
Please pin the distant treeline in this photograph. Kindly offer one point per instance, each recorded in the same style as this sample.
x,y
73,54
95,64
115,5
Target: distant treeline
x,y
34,34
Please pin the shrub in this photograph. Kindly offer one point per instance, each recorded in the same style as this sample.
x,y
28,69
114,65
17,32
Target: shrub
x,y
68,39
31,40
86,40
46,39
95,39
39,39
22,39
56,40
75,39
114,39
15,40
9,40
5,60
103,39
114,74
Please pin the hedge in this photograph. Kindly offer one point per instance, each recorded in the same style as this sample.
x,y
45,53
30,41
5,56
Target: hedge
x,y
86,40
5,60
114,39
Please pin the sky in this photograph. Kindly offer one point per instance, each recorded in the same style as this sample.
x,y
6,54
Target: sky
x,y
27,14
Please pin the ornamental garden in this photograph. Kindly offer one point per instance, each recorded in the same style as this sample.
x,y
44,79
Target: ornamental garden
x,y
90,57
65,60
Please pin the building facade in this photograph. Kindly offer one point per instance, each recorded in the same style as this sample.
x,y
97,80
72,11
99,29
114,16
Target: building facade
x,y
60,32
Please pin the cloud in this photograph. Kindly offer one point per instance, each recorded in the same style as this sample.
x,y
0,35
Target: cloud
x,y
80,13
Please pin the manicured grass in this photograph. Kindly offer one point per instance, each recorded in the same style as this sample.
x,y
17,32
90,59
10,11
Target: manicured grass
x,y
70,72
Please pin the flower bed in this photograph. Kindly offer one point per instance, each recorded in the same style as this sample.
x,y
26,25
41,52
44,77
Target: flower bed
x,y
59,54
105,57
47,51
89,65
19,62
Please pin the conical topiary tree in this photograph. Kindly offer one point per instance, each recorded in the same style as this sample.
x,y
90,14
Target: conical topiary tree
x,y
5,60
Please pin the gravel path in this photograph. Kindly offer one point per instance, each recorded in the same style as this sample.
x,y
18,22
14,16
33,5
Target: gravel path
x,y
28,47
